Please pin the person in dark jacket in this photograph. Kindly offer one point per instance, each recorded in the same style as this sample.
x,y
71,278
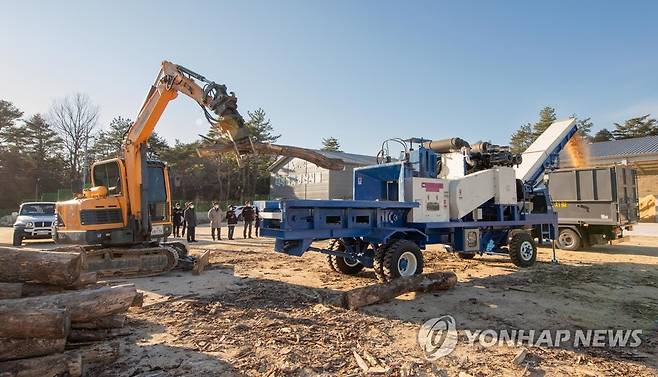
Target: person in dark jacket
x,y
248,217
256,222
177,219
190,218
231,220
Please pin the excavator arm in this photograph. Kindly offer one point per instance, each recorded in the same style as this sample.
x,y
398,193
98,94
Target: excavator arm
x,y
221,110
219,107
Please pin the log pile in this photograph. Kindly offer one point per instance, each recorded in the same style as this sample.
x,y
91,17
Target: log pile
x,y
52,312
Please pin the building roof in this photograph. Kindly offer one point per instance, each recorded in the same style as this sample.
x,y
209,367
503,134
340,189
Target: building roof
x,y
641,152
348,159
626,147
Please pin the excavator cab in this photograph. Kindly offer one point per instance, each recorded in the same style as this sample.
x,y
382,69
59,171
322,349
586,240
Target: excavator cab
x,y
100,215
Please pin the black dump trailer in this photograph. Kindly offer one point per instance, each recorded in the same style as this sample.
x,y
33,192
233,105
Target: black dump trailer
x,y
594,205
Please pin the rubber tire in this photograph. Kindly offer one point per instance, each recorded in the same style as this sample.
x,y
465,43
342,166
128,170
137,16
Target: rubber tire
x,y
17,238
466,255
338,264
516,240
577,244
378,263
393,253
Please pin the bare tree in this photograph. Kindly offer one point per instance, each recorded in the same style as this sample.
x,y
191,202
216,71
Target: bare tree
x,y
74,117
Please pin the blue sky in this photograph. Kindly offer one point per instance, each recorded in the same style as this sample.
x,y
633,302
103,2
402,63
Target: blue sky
x,y
361,71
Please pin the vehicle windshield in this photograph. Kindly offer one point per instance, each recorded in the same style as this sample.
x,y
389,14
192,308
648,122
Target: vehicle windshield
x,y
37,210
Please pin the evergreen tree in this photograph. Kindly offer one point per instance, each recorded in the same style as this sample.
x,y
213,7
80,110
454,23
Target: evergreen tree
x,y
636,127
584,127
603,135
260,127
546,118
521,138
330,144
41,141
109,143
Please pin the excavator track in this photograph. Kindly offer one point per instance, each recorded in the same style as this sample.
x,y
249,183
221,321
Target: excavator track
x,y
131,261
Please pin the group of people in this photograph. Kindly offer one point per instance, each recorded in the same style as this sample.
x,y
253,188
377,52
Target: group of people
x,y
186,220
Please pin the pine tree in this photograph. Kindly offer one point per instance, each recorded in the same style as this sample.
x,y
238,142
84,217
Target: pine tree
x,y
330,144
602,135
260,127
636,127
584,127
521,139
546,118
526,134
109,143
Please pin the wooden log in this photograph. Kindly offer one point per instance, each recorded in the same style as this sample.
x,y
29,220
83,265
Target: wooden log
x,y
57,268
58,364
98,354
86,335
10,290
40,289
201,263
377,293
11,349
138,301
273,149
113,321
84,305
86,278
51,323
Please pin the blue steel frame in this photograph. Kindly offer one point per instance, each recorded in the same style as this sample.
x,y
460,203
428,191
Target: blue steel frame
x,y
376,223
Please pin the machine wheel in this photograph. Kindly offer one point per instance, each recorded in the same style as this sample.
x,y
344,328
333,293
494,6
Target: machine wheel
x,y
343,265
378,263
569,240
402,258
18,238
522,249
466,255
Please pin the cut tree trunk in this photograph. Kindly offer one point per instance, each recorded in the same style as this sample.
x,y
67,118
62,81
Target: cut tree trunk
x,y
46,366
113,321
12,349
57,268
22,322
84,305
274,149
97,354
10,290
201,263
372,294
85,335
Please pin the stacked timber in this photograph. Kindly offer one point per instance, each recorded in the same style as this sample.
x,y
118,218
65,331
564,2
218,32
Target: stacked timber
x,y
52,313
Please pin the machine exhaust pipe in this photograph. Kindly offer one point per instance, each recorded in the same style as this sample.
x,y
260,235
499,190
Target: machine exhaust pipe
x,y
446,145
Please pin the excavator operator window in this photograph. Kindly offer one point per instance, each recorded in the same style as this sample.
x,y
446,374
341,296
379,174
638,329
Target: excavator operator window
x,y
157,194
108,175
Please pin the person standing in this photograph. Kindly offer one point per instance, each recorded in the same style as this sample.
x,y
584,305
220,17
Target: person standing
x,y
190,218
231,220
248,217
215,217
256,222
184,223
177,219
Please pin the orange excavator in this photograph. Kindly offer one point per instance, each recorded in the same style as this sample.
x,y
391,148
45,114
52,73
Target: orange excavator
x,y
123,220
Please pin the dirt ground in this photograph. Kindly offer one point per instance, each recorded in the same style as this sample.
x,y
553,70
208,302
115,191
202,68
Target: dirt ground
x,y
257,312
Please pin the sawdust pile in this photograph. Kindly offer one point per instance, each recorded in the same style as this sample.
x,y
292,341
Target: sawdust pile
x,y
578,150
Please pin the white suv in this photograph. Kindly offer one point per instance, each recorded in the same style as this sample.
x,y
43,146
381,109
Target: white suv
x,y
35,221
